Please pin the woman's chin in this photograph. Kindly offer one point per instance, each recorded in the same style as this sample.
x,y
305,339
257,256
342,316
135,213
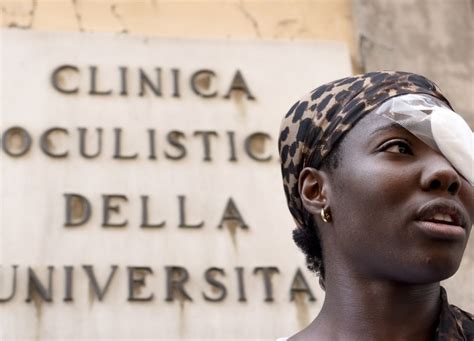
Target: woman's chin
x,y
432,271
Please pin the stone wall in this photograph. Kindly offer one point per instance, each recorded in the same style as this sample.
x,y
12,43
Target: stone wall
x,y
432,37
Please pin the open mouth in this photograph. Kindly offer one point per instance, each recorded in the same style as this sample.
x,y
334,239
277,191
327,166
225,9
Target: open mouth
x,y
443,212
442,219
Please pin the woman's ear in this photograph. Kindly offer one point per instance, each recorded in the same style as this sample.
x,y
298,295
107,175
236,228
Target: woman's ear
x,y
312,185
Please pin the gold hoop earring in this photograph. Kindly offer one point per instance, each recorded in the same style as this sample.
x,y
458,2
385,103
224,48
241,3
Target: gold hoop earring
x,y
325,216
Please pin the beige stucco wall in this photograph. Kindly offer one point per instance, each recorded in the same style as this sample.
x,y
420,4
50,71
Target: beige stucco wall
x,y
302,19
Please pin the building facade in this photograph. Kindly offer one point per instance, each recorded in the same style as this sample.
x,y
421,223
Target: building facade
x,y
141,190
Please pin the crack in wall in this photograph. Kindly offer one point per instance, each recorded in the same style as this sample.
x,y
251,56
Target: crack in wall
x,y
14,23
290,28
249,16
77,15
4,13
286,22
34,3
113,9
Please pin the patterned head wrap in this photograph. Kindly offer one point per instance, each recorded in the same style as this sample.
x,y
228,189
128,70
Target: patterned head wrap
x,y
319,120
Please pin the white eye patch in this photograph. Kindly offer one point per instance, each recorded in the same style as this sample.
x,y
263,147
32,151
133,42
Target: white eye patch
x,y
433,122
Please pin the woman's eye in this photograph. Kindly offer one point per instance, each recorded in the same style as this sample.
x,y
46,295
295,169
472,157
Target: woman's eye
x,y
398,147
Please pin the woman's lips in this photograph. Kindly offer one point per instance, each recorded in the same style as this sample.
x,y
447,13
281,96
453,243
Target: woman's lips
x,y
442,219
440,230
443,211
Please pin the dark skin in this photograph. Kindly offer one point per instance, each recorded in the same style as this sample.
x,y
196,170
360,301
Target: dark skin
x,y
383,271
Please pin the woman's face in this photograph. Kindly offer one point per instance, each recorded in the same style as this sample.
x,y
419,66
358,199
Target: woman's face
x,y
399,209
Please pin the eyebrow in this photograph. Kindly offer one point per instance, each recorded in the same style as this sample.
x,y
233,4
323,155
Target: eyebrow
x,y
390,126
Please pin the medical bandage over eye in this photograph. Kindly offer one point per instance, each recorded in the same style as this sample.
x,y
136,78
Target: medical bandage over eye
x,y
434,123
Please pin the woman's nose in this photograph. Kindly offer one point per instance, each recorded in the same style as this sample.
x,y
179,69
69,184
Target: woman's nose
x,y
439,175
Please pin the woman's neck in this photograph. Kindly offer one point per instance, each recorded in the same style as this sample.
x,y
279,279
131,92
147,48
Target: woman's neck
x,y
362,309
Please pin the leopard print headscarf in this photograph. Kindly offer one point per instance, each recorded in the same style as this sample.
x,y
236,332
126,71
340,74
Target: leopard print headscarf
x,y
319,120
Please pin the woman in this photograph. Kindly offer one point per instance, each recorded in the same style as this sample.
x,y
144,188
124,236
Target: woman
x,y
383,203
